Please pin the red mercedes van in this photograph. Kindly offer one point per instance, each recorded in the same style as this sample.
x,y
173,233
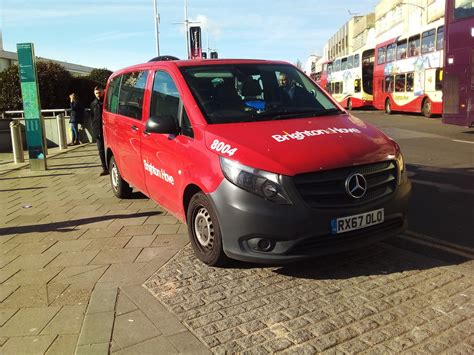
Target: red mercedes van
x,y
261,164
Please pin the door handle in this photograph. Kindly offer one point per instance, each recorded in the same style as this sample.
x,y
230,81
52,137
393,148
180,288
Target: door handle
x,y
134,128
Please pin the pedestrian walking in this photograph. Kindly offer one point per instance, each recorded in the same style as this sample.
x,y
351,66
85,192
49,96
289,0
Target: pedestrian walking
x,y
77,114
97,130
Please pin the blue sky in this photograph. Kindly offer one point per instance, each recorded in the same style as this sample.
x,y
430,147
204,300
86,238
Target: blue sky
x,y
114,34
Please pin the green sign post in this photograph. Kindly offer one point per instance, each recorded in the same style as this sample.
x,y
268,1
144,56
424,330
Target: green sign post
x,y
31,106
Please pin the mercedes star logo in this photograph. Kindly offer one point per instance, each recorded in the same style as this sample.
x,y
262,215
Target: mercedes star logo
x,y
356,185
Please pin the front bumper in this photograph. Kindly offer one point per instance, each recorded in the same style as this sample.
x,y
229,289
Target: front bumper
x,y
298,231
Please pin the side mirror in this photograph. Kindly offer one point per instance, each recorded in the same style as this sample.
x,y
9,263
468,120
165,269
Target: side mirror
x,y
165,124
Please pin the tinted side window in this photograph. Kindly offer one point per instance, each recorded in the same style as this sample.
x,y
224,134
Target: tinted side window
x,y
428,41
186,127
381,55
165,96
414,46
112,99
131,95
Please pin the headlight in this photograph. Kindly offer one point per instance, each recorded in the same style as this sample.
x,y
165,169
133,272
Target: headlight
x,y
401,167
259,182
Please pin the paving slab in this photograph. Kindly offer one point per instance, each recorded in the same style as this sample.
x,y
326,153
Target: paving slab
x,y
29,295
28,321
74,258
67,321
97,328
6,314
28,345
141,241
81,274
116,256
63,345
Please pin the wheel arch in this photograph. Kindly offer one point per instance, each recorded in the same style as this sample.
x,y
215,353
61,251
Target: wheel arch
x,y
188,194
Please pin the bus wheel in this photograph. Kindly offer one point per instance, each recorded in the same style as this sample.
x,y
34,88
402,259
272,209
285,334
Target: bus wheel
x,y
349,104
388,107
426,109
204,231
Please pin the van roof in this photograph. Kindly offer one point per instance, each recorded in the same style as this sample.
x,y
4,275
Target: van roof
x,y
197,62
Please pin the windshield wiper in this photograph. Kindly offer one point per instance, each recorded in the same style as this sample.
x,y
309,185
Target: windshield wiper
x,y
278,115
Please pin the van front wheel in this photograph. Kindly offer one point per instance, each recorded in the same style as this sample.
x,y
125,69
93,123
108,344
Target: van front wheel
x,y
204,231
120,187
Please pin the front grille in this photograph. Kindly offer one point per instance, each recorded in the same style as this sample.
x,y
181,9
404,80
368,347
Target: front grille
x,y
335,240
327,189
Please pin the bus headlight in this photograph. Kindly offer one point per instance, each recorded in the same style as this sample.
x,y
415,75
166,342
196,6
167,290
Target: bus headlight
x,y
256,181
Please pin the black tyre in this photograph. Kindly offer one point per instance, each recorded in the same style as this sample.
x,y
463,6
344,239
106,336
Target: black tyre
x,y
349,104
120,187
204,231
388,107
426,109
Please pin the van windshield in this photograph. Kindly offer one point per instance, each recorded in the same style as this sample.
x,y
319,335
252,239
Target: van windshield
x,y
255,92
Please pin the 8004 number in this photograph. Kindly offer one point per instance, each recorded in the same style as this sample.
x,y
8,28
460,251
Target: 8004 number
x,y
223,148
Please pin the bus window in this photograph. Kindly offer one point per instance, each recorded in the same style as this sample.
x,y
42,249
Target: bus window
x,y
428,41
350,61
344,64
410,80
329,69
440,38
332,88
402,49
381,55
336,88
357,85
328,88
388,87
439,79
414,46
337,65
356,61
400,83
391,48
463,8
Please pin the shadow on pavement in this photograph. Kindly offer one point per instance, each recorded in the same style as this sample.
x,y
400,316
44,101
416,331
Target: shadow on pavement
x,y
67,226
441,204
24,189
34,176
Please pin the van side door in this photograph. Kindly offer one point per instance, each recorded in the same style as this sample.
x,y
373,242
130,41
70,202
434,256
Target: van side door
x,y
130,125
165,156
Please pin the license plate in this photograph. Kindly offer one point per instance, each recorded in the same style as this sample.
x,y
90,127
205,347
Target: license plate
x,y
358,221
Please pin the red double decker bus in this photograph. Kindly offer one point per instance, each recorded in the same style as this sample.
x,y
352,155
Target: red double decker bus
x,y
408,72
458,87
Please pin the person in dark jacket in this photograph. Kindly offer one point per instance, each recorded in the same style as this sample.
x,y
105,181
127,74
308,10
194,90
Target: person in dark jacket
x,y
77,114
96,119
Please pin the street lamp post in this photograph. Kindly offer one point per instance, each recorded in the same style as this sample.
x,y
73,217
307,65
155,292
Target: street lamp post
x,y
186,23
157,27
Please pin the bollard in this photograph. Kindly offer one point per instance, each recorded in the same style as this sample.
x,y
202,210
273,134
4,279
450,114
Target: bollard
x,y
61,131
17,144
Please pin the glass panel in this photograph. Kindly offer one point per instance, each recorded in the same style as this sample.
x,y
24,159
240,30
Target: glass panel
x,y
132,91
381,55
440,38
391,52
388,87
165,96
401,49
337,65
463,8
428,41
356,61
414,46
253,92
350,60
344,64
112,94
410,80
400,83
